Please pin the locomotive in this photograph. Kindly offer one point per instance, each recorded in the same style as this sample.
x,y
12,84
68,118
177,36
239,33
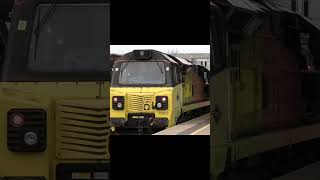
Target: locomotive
x,y
151,90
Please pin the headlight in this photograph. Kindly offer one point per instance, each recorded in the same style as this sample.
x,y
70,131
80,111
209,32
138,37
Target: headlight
x,y
159,105
162,102
119,105
26,130
30,138
118,102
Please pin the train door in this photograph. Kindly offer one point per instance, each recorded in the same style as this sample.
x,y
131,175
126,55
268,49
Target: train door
x,y
177,92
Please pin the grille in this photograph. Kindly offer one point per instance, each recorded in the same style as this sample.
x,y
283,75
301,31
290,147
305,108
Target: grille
x,y
135,102
82,132
35,121
147,99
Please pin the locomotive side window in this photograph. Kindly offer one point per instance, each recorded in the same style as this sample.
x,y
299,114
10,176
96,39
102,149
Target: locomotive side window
x,y
176,75
179,74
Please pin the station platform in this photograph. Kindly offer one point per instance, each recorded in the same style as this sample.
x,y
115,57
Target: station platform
x,y
197,126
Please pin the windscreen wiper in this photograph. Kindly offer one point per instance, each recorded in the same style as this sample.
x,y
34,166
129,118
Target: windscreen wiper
x,y
159,67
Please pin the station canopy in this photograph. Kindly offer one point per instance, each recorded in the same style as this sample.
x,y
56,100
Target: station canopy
x,y
256,7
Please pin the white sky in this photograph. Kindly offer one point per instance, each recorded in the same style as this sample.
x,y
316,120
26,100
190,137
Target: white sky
x,y
122,49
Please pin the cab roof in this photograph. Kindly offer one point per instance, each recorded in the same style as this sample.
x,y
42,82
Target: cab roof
x,y
150,54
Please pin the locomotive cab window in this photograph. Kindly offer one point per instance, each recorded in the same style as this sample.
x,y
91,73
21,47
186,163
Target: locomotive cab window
x,y
141,72
63,53
59,45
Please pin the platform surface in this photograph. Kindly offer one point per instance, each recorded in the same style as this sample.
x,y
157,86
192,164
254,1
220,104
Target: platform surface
x,y
197,126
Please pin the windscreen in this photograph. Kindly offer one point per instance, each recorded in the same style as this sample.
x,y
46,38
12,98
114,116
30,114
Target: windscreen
x,y
142,73
69,38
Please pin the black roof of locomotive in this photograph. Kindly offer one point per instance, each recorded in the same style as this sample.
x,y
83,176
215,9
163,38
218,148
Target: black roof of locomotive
x,y
155,55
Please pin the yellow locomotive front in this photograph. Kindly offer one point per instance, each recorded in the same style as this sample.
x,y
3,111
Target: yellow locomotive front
x,y
145,92
53,91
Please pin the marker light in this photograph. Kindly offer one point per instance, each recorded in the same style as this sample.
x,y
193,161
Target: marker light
x,y
115,99
17,120
164,99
